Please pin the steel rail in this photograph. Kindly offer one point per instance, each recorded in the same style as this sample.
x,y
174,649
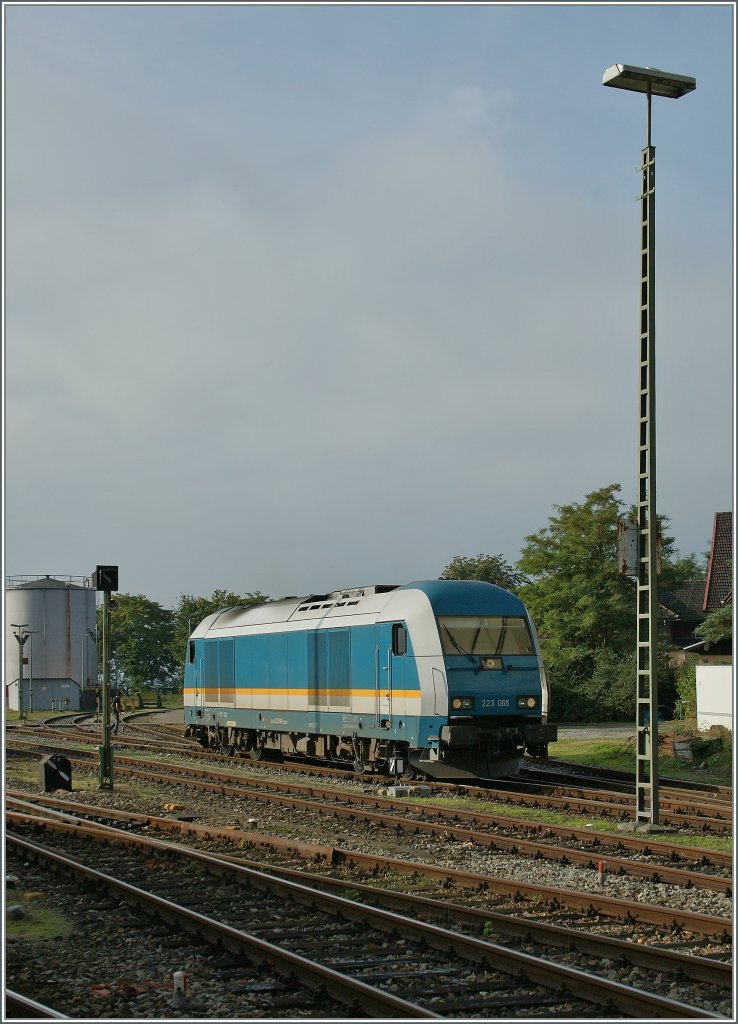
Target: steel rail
x,y
418,823
611,774
620,787
595,841
675,790
592,839
19,1007
700,968
643,955
579,983
553,897
679,802
715,972
721,795
619,810
342,987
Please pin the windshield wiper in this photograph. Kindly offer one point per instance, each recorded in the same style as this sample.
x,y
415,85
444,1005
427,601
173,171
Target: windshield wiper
x,y
458,646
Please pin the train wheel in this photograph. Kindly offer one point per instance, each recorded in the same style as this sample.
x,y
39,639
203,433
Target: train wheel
x,y
228,749
358,765
256,753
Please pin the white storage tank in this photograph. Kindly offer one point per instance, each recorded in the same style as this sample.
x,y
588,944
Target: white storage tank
x,y
60,655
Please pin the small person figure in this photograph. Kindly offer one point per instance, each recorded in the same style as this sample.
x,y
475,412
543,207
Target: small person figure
x,y
117,711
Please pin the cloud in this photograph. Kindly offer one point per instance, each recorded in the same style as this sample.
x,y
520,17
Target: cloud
x,y
237,358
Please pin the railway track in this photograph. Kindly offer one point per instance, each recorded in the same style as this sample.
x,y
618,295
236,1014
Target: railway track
x,y
608,777
576,907
361,951
708,811
18,1006
619,854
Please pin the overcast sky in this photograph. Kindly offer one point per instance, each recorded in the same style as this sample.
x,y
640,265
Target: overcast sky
x,y
300,298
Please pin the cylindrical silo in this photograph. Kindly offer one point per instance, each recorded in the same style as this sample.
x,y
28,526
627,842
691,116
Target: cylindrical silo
x,y
60,655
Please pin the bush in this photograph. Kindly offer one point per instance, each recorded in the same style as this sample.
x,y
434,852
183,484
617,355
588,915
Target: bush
x,y
705,746
593,690
686,691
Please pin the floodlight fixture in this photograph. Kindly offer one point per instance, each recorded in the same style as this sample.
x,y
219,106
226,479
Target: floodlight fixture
x,y
652,81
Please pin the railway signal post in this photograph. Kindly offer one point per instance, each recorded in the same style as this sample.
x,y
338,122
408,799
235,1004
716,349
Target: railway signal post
x,y
105,579
651,82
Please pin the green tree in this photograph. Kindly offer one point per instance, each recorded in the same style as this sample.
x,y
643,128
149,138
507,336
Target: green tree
x,y
575,594
141,636
190,611
585,611
487,568
677,569
583,608
717,626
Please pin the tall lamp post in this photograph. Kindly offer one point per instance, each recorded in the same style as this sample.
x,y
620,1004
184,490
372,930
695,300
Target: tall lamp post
x,y
652,82
31,633
21,636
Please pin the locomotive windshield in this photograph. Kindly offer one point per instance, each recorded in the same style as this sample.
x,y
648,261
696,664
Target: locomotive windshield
x,y
488,634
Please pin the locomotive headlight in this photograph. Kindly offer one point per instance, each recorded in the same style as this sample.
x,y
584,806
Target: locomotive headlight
x,y
527,702
463,703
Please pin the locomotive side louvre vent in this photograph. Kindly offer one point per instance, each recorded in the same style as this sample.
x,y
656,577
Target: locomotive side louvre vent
x,y
380,588
343,595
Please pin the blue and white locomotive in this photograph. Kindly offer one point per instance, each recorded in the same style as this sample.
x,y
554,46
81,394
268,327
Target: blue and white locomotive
x,y
442,678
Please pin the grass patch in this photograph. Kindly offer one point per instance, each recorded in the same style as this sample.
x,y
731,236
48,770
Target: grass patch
x,y
21,769
11,714
41,923
615,755
26,770
590,824
619,755
717,843
413,882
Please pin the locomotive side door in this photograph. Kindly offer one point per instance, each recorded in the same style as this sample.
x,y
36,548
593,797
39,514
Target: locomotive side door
x,y
196,678
390,669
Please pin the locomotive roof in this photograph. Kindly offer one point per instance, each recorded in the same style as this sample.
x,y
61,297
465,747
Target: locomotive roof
x,y
446,597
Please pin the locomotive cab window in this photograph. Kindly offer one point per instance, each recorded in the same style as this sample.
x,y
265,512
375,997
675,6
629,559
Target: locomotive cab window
x,y
481,635
191,652
399,639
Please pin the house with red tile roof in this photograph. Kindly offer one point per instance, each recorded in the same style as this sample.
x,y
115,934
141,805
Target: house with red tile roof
x,y
718,589
714,679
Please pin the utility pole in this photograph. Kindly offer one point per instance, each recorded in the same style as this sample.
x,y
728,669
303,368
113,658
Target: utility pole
x,y
105,578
